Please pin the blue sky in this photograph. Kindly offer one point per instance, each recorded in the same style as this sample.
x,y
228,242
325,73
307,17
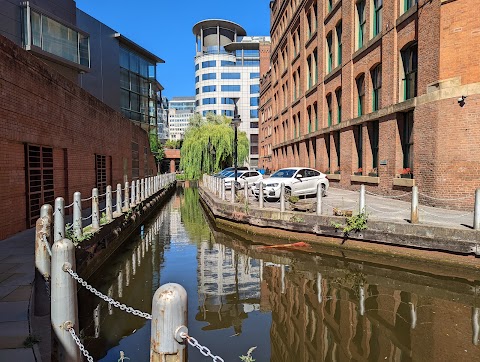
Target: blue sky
x,y
164,27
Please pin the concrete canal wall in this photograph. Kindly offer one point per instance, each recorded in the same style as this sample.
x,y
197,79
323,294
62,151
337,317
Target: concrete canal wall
x,y
267,221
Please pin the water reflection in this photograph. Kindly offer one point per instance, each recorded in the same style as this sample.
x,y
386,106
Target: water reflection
x,y
294,306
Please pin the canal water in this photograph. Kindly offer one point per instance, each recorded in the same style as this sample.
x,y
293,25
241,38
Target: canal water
x,y
303,305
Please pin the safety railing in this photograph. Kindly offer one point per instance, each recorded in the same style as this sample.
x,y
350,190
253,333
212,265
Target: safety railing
x,y
376,206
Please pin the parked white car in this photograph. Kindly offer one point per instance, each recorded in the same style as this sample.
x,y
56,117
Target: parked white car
x,y
298,181
243,177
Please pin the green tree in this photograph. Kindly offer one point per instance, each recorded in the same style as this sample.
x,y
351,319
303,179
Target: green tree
x,y
156,147
208,146
172,144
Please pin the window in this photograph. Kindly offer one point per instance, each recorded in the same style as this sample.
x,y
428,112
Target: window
x,y
227,63
227,113
197,90
251,63
253,124
336,140
315,111
338,95
209,64
230,88
254,101
377,16
197,67
209,88
361,95
359,144
374,138
254,88
361,23
377,87
295,86
101,173
329,52
329,5
407,141
254,144
329,110
197,78
204,113
254,113
208,76
409,60
309,72
209,101
408,4
327,148
338,29
254,75
228,101
39,176
230,75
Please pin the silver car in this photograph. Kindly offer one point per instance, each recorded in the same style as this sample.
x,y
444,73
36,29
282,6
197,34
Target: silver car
x,y
298,181
243,177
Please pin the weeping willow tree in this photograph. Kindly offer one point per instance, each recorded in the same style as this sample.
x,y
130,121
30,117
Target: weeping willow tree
x,y
208,146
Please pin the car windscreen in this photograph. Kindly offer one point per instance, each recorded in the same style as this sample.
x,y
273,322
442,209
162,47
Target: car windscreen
x,y
284,173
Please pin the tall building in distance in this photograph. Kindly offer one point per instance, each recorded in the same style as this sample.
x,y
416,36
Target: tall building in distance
x,y
227,70
382,93
180,109
162,116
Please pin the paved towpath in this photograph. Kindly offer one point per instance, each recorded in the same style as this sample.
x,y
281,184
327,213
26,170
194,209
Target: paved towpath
x,y
17,262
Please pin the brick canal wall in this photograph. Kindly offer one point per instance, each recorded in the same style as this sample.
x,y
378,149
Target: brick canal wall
x,y
40,107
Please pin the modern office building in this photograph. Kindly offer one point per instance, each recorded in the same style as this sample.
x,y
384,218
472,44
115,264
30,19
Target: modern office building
x,y
381,93
180,110
227,70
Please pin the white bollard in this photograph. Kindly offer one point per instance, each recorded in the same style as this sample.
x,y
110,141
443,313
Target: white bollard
x,y
137,196
414,217
245,190
64,309
119,198
109,207
59,223
232,189
282,197
476,214
132,195
319,198
126,203
77,215
223,196
169,320
260,195
95,210
142,186
361,203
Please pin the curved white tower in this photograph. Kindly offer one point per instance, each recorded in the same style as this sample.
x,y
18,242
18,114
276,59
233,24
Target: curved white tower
x,y
227,68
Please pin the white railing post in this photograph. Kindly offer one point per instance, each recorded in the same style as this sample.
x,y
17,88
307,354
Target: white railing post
x,y
414,217
77,215
95,210
169,320
109,208
142,186
132,195
319,199
361,203
126,203
282,197
232,195
119,198
260,195
476,213
137,196
64,309
245,190
223,189
59,221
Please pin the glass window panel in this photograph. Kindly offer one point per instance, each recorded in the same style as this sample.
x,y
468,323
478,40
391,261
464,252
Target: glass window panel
x,y
255,88
59,40
134,102
134,63
124,78
230,88
124,58
254,75
254,101
230,75
36,29
134,82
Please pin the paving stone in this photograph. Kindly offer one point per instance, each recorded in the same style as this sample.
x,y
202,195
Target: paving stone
x,y
13,334
4,276
6,290
13,311
19,279
5,267
21,354
20,294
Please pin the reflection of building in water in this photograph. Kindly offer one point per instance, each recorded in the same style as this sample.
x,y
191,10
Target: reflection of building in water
x,y
340,316
229,286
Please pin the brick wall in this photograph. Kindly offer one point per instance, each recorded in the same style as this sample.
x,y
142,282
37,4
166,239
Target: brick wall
x,y
39,106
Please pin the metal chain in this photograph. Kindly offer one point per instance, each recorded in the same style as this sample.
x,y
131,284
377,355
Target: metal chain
x,y
387,197
91,197
86,218
443,216
387,212
203,350
440,199
80,344
66,207
107,299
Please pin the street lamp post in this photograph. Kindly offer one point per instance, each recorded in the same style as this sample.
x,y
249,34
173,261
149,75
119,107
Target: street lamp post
x,y
235,123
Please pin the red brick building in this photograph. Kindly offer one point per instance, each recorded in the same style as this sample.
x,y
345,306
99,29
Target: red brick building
x,y
373,92
56,139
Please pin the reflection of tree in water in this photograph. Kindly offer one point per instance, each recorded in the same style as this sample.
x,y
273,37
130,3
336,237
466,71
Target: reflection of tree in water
x,y
192,216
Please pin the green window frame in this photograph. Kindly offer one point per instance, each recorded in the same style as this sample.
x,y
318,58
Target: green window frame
x,y
361,95
359,144
339,43
410,65
336,138
408,4
329,52
377,87
329,110
374,140
330,5
377,16
407,141
361,23
338,95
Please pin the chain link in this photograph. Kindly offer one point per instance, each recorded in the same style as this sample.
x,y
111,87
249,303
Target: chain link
x,y
107,299
80,344
203,350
